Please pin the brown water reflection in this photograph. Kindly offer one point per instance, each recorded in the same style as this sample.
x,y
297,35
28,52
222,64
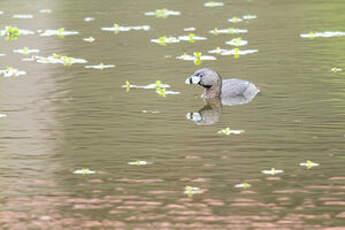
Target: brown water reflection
x,y
65,118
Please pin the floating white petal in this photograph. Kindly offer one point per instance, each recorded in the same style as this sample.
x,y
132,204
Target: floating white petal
x,y
149,86
227,131
59,60
228,31
12,72
139,163
162,13
84,171
213,4
217,51
2,115
249,17
235,20
326,34
2,55
335,69
100,66
192,190
237,42
244,185
26,51
189,29
23,16
168,92
309,164
188,38
89,39
126,28
239,52
45,11
165,40
58,33
272,171
89,19
187,57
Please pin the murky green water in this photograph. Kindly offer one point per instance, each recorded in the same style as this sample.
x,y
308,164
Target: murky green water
x,y
62,118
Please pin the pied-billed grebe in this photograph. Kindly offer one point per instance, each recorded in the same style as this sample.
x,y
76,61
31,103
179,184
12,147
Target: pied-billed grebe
x,y
215,87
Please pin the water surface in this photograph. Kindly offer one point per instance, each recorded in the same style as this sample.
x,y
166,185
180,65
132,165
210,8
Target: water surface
x,y
62,118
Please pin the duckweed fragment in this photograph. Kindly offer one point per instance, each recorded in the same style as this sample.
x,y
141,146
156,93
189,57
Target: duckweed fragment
x,y
84,171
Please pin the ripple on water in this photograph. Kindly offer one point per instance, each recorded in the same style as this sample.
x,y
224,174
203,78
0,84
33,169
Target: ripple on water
x,y
23,16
